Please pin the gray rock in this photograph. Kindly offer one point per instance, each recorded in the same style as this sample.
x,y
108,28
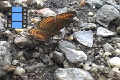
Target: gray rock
x,y
63,45
1,23
104,32
116,39
58,57
108,48
84,37
34,66
106,14
19,71
5,58
62,10
4,5
88,25
96,3
5,44
118,45
75,56
15,62
22,42
72,74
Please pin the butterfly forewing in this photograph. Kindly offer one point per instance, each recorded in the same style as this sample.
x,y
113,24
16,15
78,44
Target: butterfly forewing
x,y
47,24
63,20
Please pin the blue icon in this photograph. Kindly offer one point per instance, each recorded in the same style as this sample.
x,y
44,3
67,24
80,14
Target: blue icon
x,y
17,17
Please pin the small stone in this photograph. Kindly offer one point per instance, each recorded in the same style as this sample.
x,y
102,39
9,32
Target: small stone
x,y
106,54
94,67
22,42
62,10
36,54
114,62
84,37
72,74
87,66
88,26
90,14
116,39
95,3
58,57
108,48
34,66
117,51
104,32
46,12
18,30
118,30
63,45
19,71
106,14
1,23
15,62
75,56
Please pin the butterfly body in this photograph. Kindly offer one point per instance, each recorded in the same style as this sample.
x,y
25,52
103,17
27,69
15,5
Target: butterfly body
x,y
52,25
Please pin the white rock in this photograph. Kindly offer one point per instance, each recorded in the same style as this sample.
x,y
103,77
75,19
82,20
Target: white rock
x,y
107,54
86,66
75,56
117,51
84,37
15,62
19,71
46,12
90,14
115,62
104,32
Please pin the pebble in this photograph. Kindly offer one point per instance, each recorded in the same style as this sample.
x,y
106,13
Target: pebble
x,y
106,54
114,62
75,56
15,62
108,48
34,66
117,51
46,12
106,14
36,54
87,66
58,57
19,71
84,37
96,3
90,14
63,45
72,74
104,32
1,23
5,58
88,26
116,39
22,42
62,10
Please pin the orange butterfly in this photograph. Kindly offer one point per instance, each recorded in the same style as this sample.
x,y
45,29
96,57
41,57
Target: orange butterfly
x,y
52,25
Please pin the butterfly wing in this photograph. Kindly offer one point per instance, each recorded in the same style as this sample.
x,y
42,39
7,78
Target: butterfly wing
x,y
47,24
64,19
40,34
51,26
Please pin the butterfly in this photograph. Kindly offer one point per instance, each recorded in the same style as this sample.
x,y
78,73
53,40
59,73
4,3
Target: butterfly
x,y
51,26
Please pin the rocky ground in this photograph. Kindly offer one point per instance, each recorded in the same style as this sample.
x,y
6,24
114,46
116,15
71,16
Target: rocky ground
x,y
87,49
